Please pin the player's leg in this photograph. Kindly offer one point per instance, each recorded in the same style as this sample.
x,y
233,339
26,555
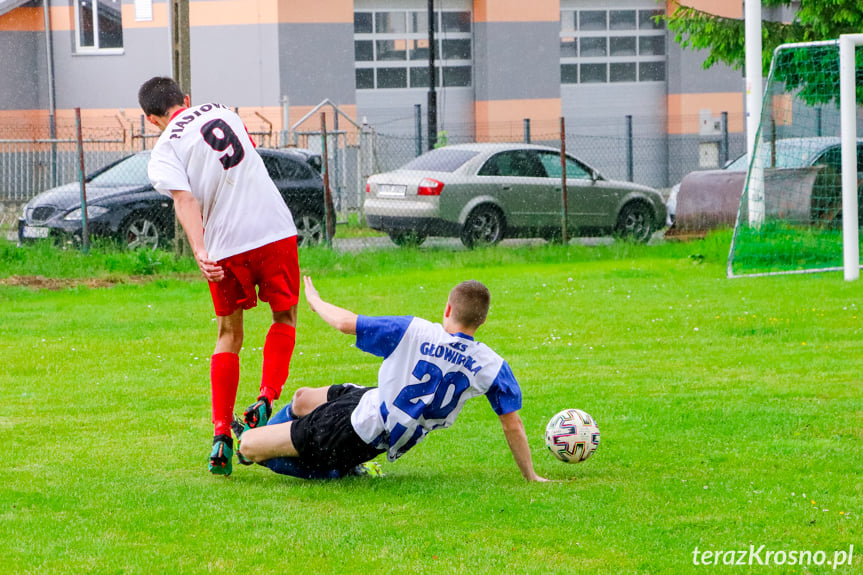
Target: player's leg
x,y
224,380
278,350
291,466
268,441
279,286
307,399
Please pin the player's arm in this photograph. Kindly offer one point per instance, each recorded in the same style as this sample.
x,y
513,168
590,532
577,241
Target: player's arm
x,y
343,320
516,438
188,211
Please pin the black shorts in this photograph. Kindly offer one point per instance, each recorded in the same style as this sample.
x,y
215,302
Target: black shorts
x,y
325,438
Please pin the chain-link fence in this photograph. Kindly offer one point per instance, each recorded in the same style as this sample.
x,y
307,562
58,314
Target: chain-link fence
x,y
385,189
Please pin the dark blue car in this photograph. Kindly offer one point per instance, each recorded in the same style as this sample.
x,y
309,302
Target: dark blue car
x,y
123,206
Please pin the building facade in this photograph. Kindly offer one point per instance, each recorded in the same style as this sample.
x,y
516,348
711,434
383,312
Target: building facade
x,y
609,68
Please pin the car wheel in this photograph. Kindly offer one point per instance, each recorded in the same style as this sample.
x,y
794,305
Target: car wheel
x,y
141,231
407,239
310,230
635,222
483,227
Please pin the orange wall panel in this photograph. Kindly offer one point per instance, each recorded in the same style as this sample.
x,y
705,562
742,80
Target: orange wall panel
x,y
497,119
725,8
516,11
233,12
63,18
684,109
306,12
23,20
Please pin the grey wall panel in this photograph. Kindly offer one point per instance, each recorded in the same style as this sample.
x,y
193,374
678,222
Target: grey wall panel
x,y
317,62
111,80
687,76
22,65
596,128
242,71
237,66
516,61
393,111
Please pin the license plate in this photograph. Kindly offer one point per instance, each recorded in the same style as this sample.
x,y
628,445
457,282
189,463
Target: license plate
x,y
391,190
34,232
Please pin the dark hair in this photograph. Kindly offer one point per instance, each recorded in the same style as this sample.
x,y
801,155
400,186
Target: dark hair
x,y
470,301
158,95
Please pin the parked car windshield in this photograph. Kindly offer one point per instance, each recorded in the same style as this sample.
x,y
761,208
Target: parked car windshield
x,y
440,160
130,172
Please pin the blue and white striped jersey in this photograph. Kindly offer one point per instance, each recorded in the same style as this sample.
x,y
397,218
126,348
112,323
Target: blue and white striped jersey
x,y
425,378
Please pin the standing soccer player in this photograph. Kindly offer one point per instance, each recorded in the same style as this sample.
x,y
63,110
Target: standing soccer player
x,y
243,236
429,371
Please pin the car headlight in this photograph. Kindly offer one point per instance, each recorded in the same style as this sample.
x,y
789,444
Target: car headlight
x,y
92,212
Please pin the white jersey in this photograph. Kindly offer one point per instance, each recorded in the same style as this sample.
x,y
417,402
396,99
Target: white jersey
x,y
426,377
207,151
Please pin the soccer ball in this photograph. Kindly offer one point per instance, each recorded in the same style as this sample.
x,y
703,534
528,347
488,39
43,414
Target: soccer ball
x,y
572,435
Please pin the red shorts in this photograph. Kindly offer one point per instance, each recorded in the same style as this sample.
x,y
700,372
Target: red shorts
x,y
273,268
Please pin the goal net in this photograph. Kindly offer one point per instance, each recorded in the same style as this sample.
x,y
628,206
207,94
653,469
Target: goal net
x,y
790,218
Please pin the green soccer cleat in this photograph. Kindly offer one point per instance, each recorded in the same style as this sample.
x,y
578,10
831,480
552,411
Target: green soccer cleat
x,y
220,457
238,427
258,413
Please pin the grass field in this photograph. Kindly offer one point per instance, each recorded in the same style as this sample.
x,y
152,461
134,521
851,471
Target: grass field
x,y
731,415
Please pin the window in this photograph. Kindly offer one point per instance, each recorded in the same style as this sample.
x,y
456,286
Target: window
x,y
574,168
615,45
98,25
391,49
517,163
589,20
651,46
272,165
568,47
363,23
594,73
651,71
390,22
622,46
392,78
621,72
621,20
292,170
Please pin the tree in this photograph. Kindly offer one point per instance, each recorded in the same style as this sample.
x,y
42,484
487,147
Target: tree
x,y
814,20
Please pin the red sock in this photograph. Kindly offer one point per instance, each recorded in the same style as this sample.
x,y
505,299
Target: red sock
x,y
278,349
224,380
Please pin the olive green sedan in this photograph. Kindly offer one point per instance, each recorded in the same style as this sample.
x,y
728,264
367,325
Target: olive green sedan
x,y
483,193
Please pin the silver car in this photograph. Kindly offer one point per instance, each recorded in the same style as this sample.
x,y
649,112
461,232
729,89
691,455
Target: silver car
x,y
483,193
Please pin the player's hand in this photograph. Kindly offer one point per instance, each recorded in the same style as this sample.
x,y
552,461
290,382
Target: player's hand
x,y
312,295
210,269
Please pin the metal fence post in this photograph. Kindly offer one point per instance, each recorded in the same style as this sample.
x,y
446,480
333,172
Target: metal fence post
x,y
724,157
418,129
85,232
527,130
329,217
564,235
630,169
286,125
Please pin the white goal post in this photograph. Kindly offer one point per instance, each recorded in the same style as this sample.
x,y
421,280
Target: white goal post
x,y
848,119
798,216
